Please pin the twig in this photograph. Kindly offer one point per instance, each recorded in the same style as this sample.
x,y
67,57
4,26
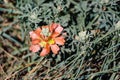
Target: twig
x,y
9,54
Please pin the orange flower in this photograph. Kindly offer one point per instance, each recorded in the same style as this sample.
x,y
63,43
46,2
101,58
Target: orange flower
x,y
47,37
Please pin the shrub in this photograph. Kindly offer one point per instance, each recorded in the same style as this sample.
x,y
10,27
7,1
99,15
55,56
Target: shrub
x,y
91,32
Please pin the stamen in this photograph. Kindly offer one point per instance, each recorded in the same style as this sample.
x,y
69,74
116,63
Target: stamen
x,y
51,41
43,44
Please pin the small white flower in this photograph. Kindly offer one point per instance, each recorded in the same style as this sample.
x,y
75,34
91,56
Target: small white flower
x,y
82,36
33,16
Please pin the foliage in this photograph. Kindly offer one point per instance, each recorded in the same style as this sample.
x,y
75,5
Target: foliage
x,y
91,50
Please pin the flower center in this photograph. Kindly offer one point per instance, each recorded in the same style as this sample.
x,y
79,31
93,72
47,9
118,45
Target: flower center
x,y
51,41
48,40
44,43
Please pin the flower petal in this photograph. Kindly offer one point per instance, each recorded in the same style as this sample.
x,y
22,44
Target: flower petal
x,y
33,35
59,40
36,41
38,31
45,51
34,48
53,26
55,35
59,29
55,49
